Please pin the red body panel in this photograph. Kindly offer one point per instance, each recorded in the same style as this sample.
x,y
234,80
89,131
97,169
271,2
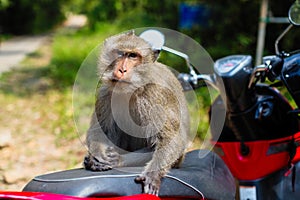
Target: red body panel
x,y
258,163
48,196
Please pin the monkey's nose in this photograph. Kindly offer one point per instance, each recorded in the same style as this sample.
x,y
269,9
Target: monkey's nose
x,y
118,74
122,70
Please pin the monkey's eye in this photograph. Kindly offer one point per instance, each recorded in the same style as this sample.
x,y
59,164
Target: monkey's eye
x,y
132,55
120,53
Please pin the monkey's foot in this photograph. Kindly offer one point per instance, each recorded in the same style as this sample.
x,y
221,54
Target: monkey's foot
x,y
150,181
92,163
95,163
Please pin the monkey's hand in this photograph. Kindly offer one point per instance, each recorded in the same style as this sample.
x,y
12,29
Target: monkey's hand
x,y
104,162
150,181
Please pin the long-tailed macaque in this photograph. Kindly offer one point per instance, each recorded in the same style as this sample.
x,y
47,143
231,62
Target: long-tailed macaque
x,y
140,108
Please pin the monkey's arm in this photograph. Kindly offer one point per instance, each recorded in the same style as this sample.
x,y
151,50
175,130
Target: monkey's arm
x,y
101,155
169,116
167,153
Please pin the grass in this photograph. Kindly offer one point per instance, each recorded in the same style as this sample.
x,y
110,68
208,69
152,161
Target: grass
x,y
70,49
31,87
39,117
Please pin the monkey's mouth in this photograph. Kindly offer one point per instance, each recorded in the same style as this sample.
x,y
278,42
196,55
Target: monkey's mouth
x,y
114,80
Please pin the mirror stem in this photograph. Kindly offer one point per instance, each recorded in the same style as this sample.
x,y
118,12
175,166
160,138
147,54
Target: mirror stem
x,y
280,37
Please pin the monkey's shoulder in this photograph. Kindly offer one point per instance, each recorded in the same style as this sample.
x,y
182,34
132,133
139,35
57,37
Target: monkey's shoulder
x,y
164,75
159,66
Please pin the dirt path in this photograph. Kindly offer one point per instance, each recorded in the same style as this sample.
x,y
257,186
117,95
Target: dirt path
x,y
13,51
33,117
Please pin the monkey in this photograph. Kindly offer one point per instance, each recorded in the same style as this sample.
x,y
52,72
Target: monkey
x,y
141,116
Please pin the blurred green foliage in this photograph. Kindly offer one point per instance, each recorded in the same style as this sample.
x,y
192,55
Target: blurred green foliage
x,y
132,13
69,49
231,27
27,17
4,4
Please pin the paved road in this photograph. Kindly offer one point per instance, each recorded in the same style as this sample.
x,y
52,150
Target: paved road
x,y
13,51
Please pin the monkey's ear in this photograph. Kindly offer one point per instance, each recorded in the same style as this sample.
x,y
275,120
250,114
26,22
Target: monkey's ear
x,y
130,33
156,55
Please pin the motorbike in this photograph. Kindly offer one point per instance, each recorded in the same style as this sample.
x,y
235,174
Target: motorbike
x,y
260,139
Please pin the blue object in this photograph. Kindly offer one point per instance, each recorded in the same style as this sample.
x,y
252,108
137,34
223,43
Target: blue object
x,y
193,15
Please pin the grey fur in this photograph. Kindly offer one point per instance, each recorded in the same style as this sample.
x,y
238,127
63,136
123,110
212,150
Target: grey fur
x,y
145,112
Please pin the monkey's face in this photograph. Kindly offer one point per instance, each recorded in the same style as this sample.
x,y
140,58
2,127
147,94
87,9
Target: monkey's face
x,y
124,65
122,75
123,61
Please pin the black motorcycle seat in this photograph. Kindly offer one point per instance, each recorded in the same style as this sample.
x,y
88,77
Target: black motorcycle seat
x,y
203,173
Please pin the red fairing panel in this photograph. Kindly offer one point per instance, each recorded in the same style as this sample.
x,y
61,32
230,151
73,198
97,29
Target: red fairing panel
x,y
49,196
259,162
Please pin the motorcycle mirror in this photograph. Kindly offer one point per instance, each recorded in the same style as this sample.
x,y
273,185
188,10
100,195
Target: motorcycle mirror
x,y
294,13
155,38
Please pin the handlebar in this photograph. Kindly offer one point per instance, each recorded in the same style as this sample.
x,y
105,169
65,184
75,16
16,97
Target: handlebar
x,y
271,68
189,81
275,66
